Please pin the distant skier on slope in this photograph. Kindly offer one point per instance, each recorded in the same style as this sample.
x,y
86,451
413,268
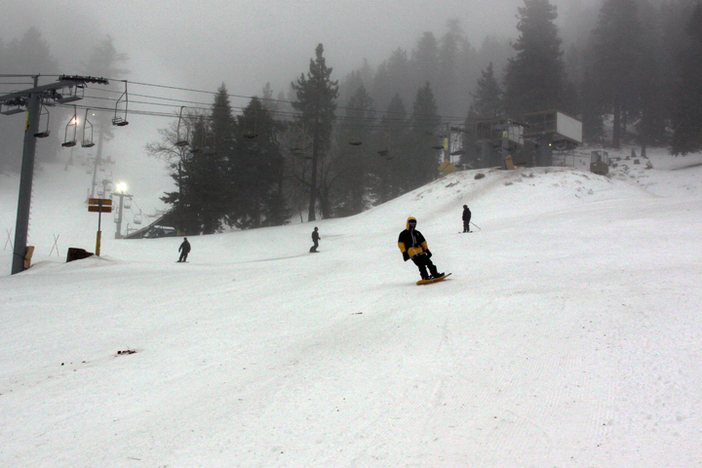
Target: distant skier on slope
x,y
413,245
466,218
315,239
184,250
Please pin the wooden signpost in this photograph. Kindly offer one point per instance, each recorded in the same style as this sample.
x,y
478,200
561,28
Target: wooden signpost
x,y
100,206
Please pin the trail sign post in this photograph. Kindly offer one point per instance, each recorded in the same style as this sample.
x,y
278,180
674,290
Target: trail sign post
x,y
100,206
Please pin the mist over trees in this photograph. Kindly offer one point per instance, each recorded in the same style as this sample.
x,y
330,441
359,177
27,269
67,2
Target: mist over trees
x,y
30,53
343,155
336,145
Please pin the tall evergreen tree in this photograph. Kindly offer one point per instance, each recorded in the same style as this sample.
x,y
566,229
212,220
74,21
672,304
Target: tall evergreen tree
x,y
592,107
206,187
618,56
179,160
535,78
354,162
423,156
687,110
393,157
198,202
425,61
229,189
257,168
447,79
487,104
487,100
315,102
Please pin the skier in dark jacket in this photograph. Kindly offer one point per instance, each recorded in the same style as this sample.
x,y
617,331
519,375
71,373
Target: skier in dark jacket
x,y
413,245
315,239
466,218
184,250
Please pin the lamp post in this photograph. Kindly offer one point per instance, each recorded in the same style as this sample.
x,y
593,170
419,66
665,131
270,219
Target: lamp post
x,y
121,189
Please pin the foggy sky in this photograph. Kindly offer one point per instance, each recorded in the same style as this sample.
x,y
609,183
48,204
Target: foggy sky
x,y
200,43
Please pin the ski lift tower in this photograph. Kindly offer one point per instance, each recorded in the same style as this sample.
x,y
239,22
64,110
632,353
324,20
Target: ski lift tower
x,y
66,89
499,139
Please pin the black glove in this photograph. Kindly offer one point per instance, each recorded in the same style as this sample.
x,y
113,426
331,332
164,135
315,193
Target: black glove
x,y
405,256
428,252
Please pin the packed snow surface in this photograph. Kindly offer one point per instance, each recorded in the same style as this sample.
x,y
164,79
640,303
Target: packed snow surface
x,y
569,334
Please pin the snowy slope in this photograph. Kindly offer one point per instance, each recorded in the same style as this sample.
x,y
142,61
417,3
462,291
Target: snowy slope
x,y
568,335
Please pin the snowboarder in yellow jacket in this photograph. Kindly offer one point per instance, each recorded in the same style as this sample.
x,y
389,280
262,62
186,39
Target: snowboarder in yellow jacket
x,y
413,246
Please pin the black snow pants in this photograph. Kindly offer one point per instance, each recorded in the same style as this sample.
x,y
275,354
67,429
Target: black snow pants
x,y
423,262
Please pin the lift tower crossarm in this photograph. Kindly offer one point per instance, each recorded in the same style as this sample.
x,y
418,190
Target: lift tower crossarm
x,y
33,98
63,82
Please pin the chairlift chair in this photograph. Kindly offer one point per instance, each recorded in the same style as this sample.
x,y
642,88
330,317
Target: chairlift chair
x,y
249,131
137,218
120,118
87,132
72,93
180,142
46,132
72,125
13,106
127,202
385,153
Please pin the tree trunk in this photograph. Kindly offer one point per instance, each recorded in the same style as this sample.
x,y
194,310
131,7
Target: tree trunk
x,y
313,178
616,125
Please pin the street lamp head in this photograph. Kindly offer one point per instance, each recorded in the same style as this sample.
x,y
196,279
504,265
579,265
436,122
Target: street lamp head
x,y
121,187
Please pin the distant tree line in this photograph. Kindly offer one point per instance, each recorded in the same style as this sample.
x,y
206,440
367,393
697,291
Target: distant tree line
x,y
334,148
630,70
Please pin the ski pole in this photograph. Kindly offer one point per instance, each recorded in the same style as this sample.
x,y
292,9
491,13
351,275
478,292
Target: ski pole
x,y
475,225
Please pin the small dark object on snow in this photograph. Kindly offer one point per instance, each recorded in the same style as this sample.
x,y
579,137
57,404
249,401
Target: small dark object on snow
x,y
127,351
74,253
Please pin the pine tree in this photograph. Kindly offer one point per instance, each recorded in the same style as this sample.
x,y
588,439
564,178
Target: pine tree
x,y
354,161
177,158
618,55
393,157
195,175
257,168
535,77
207,187
687,111
315,102
423,156
425,61
447,79
487,100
